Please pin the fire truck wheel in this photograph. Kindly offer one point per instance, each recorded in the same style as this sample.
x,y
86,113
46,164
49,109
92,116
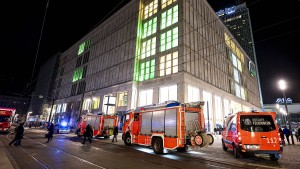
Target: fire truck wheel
x,y
198,140
223,145
158,146
235,151
211,139
127,140
273,157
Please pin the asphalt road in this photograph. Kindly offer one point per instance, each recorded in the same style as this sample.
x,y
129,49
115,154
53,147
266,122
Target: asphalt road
x,y
66,151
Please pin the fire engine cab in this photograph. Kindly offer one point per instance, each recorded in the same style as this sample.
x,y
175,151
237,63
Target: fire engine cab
x,y
5,118
102,125
171,126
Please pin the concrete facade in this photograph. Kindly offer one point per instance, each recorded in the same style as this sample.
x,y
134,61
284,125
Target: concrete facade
x,y
151,51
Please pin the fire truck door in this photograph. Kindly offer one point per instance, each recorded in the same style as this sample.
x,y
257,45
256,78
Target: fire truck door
x,y
136,124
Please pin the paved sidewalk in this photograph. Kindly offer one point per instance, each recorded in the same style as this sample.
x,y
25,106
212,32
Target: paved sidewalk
x,y
4,161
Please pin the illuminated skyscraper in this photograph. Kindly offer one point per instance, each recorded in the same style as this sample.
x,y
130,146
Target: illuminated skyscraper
x,y
237,20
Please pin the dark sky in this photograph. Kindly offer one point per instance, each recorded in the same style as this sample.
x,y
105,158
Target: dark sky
x,y
276,27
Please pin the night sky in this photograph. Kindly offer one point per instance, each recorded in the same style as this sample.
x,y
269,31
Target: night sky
x,y
275,25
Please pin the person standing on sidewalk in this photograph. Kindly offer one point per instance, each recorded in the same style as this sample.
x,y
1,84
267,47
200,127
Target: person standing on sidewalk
x,y
88,133
115,134
287,134
50,132
298,139
19,132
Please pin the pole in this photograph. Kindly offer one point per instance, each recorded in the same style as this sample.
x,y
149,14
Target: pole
x,y
208,125
51,111
288,117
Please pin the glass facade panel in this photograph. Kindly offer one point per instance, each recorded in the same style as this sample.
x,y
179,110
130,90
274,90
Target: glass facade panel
x,y
145,97
168,64
167,93
169,39
96,102
208,111
219,112
150,9
193,94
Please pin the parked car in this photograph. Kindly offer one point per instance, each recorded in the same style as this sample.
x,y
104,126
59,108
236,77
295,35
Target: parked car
x,y
252,133
62,127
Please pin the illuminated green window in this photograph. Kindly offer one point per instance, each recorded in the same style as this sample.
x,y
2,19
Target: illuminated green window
x,y
169,39
149,27
150,9
81,48
168,64
148,48
169,17
165,3
147,70
77,74
84,46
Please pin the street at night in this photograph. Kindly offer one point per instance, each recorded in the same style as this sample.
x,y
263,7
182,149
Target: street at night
x,y
179,83
66,151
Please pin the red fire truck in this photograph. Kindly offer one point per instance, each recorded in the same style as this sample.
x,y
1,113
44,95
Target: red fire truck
x,y
171,125
6,115
102,125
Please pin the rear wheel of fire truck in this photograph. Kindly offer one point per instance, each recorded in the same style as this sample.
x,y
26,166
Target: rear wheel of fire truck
x,y
158,146
273,157
211,139
198,140
127,139
223,145
235,151
182,149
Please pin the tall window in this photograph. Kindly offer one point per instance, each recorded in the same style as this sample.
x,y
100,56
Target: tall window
x,y
165,3
168,64
148,48
236,75
169,39
64,107
147,70
169,17
109,105
208,111
193,94
150,9
58,108
122,99
167,93
226,107
149,27
219,111
238,90
145,97
87,104
96,102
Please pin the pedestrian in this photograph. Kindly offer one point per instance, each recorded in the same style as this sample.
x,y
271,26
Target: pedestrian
x,y
287,134
88,133
281,136
19,133
50,132
115,134
215,131
298,139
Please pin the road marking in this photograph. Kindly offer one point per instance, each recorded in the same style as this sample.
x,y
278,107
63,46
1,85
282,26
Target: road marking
x,y
78,158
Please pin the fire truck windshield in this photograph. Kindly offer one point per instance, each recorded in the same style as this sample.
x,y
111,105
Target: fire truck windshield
x,y
4,118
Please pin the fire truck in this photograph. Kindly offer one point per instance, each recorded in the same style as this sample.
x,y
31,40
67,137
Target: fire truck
x,y
170,125
102,125
6,115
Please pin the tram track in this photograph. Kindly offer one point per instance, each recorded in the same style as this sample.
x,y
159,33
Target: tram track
x,y
47,166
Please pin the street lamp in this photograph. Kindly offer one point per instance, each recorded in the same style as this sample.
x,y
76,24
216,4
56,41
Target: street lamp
x,y
282,87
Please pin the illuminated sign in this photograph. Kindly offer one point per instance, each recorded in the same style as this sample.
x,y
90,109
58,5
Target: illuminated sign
x,y
281,101
226,11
